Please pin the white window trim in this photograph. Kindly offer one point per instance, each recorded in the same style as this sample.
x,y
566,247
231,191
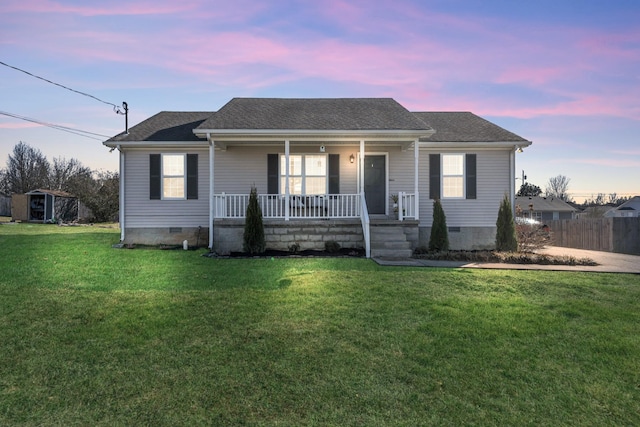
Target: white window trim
x,y
463,176
303,172
183,176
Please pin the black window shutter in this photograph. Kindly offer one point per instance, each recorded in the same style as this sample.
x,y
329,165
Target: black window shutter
x,y
155,177
334,173
272,174
434,176
470,162
192,176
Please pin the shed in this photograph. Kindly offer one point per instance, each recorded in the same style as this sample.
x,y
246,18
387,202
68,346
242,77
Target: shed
x,y
44,206
5,205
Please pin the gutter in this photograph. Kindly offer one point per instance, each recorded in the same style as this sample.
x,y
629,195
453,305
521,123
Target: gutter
x,y
483,145
163,144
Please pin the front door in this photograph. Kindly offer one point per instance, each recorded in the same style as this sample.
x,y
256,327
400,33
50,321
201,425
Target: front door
x,y
375,180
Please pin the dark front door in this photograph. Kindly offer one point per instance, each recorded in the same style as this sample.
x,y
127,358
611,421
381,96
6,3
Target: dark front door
x,y
375,179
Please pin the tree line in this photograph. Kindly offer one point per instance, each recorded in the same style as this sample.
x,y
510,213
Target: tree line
x,y
558,186
27,169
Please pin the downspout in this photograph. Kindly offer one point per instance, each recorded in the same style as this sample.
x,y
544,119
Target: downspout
x,y
512,180
122,198
211,191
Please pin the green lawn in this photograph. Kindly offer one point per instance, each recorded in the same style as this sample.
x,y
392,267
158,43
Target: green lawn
x,y
91,335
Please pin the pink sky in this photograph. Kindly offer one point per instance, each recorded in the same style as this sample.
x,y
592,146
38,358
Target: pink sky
x,y
566,78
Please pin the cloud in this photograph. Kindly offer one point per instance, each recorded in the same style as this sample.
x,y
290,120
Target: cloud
x,y
635,152
615,163
126,8
401,49
18,125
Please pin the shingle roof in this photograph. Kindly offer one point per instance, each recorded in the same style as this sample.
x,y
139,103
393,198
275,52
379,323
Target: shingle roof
x,y
545,204
317,114
631,204
464,127
314,114
58,193
165,126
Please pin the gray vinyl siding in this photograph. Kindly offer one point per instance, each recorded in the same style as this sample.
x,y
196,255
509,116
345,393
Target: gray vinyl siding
x,y
401,169
492,184
240,167
142,212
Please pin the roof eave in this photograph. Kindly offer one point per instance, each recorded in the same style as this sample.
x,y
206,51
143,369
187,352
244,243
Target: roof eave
x,y
255,135
475,144
144,144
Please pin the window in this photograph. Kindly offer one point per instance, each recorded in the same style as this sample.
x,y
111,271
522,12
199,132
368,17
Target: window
x,y
452,175
307,174
173,176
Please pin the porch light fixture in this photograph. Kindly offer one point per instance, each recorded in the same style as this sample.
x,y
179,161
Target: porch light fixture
x,y
519,150
352,159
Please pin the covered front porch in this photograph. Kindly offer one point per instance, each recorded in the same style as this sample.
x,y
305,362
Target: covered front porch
x,y
315,181
314,159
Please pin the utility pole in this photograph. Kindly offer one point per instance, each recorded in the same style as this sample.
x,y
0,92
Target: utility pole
x,y
126,118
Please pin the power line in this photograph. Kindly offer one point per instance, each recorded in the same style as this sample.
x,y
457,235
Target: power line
x,y
75,131
116,108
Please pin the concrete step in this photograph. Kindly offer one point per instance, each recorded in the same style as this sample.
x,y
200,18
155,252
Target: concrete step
x,y
387,231
390,244
391,253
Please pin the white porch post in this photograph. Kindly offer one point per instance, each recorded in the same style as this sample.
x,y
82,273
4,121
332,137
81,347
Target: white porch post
x,y
361,190
286,180
212,150
416,186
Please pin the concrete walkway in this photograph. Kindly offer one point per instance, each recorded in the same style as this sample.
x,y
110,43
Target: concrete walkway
x,y
607,262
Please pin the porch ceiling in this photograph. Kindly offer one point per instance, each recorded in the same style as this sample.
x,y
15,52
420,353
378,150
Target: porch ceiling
x,y
222,140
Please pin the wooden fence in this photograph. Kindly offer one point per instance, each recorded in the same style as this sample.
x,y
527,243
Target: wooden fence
x,y
621,235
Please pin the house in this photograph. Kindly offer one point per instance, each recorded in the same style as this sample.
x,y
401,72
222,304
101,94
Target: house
x,y
324,169
592,212
43,205
543,208
629,209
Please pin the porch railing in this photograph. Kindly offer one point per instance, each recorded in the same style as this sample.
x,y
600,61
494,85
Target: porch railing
x,y
366,229
292,206
406,205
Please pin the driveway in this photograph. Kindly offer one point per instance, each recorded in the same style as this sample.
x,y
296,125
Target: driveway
x,y
608,262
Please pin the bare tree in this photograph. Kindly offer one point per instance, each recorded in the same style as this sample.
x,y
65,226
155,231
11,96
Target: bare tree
x,y
4,183
27,169
65,172
558,186
100,193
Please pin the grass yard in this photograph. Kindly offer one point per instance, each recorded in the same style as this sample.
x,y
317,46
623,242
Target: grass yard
x,y
91,335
